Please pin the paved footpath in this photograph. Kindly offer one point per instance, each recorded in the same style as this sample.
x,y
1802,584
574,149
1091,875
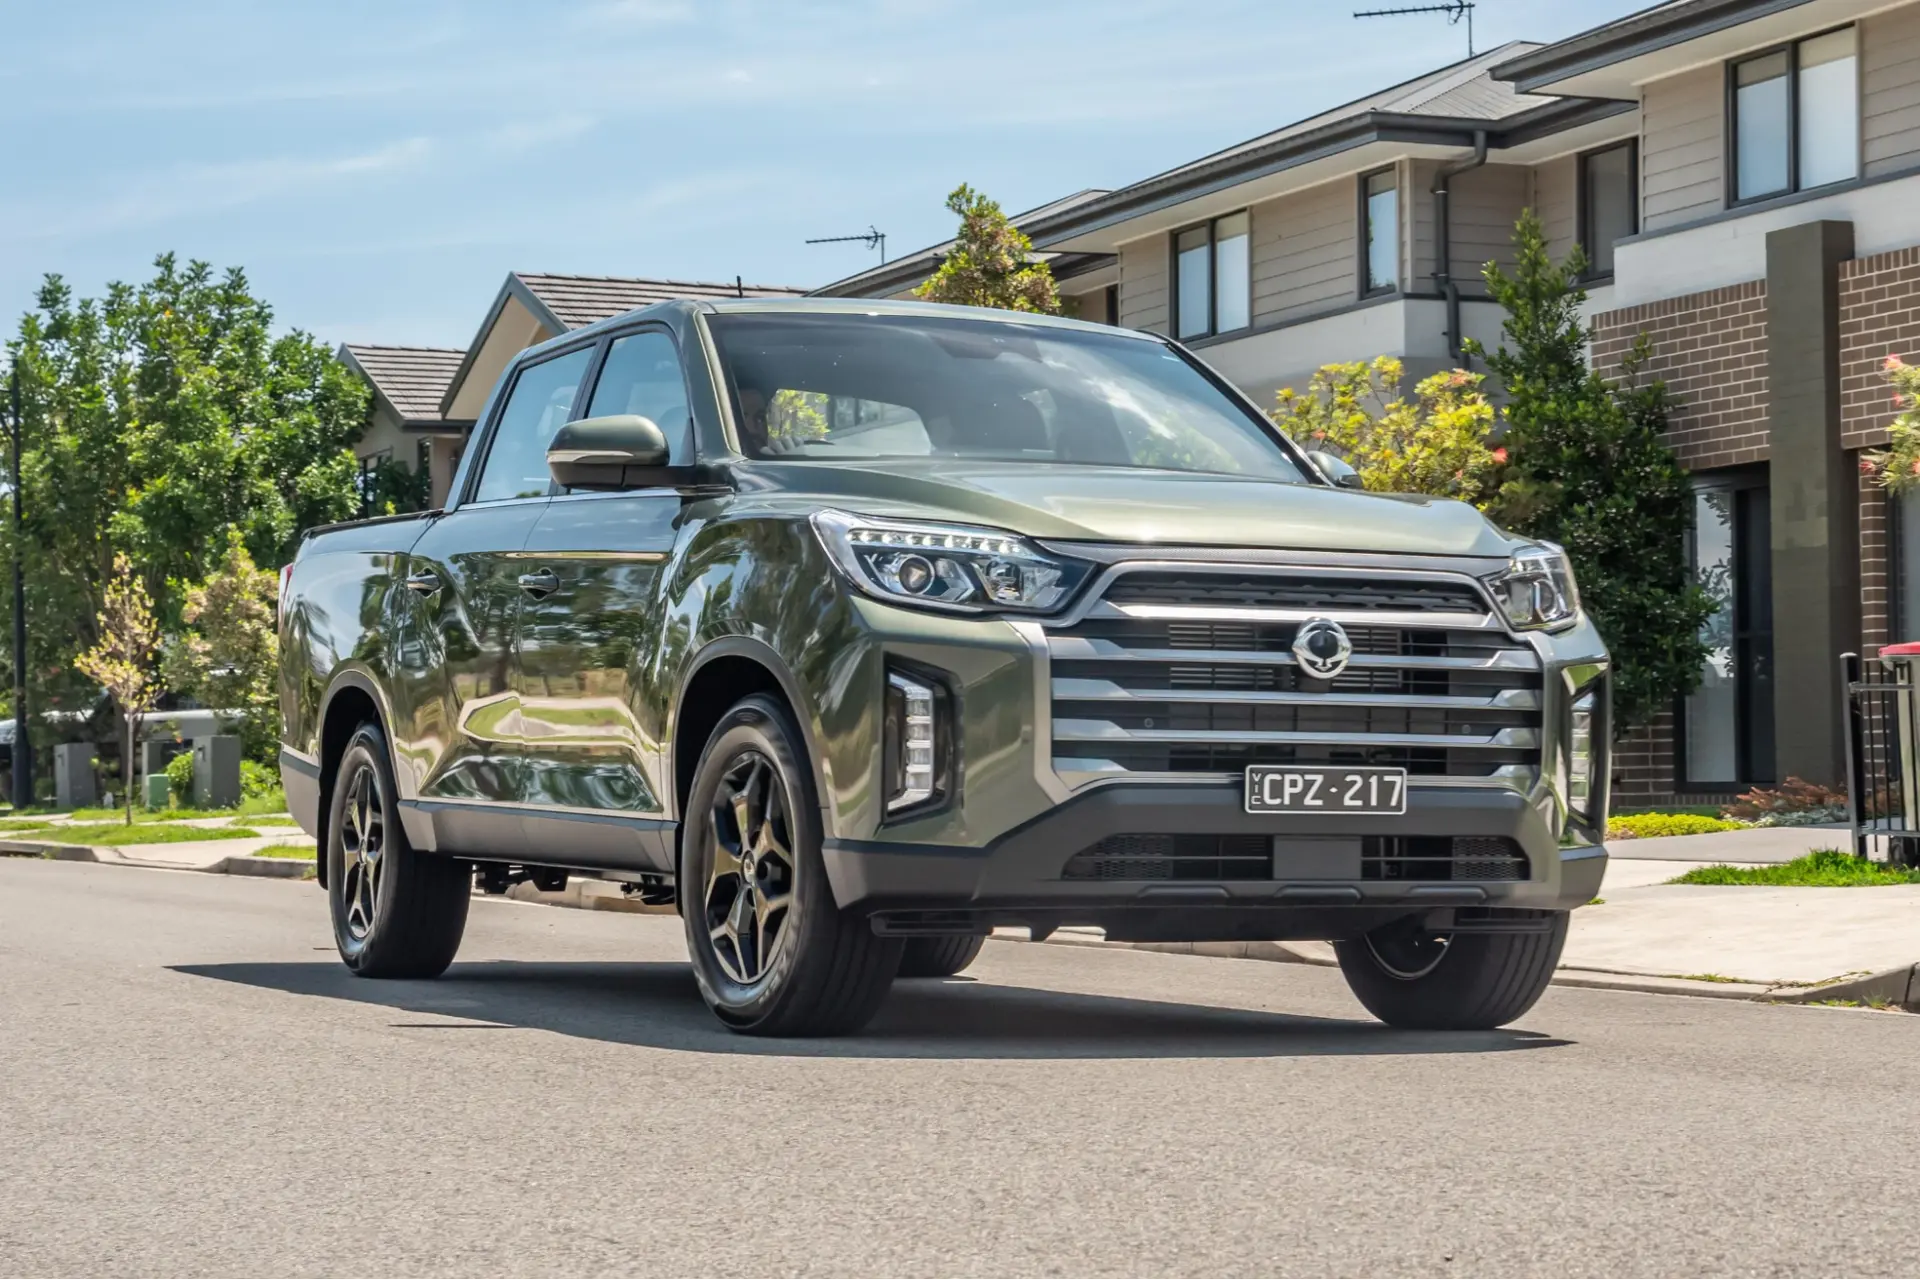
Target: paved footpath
x,y
192,1084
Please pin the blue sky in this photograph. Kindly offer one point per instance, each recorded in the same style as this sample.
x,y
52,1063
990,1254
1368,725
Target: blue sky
x,y
378,167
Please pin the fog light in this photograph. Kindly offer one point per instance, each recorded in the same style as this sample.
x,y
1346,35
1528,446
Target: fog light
x,y
1581,757
911,763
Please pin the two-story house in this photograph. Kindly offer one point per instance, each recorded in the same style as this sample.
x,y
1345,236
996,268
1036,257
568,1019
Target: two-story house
x,y
1743,177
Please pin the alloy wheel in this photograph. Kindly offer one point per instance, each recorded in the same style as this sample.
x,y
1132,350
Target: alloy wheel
x,y
749,891
363,841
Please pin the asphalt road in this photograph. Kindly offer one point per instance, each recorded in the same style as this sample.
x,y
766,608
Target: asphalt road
x,y
190,1083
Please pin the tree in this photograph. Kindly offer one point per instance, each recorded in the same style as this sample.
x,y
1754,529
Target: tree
x,y
1897,467
1437,444
991,263
157,417
122,661
228,657
1586,468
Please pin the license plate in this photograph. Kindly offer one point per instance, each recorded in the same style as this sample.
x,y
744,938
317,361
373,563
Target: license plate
x,y
1286,789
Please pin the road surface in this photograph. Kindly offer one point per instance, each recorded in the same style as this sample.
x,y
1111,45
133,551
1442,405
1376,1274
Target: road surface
x,y
190,1083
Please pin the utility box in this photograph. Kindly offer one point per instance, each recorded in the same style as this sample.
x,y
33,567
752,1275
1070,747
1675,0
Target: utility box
x,y
156,795
74,786
216,772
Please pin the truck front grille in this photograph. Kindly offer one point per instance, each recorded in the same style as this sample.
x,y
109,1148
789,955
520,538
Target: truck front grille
x,y
1192,673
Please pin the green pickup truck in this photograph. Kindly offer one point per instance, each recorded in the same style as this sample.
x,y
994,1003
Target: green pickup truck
x,y
856,630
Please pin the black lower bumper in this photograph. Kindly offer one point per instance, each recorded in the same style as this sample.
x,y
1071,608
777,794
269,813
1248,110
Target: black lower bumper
x,y
1020,878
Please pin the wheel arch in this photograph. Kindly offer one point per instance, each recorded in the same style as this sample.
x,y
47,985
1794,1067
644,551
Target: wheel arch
x,y
352,699
725,671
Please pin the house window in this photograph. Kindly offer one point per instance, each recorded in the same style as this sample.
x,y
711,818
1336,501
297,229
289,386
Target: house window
x,y
1111,300
1607,200
1727,725
1213,282
1796,116
1380,232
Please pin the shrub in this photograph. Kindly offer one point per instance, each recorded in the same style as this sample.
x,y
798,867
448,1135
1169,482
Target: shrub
x,y
1638,826
1437,444
1794,803
180,779
257,779
1821,869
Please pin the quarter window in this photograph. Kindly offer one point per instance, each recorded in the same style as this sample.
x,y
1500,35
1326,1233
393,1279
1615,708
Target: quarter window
x,y
1380,231
1606,204
1796,117
539,405
1213,277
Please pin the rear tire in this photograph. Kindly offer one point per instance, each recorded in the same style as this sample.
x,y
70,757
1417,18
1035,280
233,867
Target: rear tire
x,y
1468,982
940,957
772,952
397,913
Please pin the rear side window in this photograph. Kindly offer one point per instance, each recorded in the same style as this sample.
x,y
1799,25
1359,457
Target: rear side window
x,y
642,376
539,405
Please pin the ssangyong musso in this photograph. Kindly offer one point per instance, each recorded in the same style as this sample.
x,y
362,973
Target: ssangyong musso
x,y
857,629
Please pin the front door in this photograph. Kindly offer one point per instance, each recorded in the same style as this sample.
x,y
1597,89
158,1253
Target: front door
x,y
590,631
463,748
1727,731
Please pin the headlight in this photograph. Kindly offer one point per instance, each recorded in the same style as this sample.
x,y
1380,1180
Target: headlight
x,y
945,566
1536,589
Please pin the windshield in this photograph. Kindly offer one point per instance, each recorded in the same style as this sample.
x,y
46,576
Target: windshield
x,y
857,388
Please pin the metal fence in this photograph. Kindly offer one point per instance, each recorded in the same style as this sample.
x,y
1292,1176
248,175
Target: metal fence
x,y
1881,805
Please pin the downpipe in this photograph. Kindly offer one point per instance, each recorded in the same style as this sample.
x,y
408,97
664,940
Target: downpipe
x,y
1443,280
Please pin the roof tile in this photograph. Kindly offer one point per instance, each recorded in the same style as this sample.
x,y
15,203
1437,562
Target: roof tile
x,y
411,379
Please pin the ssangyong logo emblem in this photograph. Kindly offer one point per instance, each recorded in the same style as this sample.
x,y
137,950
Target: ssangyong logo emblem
x,y
1321,648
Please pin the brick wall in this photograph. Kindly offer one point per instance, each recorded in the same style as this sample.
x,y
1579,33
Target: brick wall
x,y
1875,605
1711,350
1879,317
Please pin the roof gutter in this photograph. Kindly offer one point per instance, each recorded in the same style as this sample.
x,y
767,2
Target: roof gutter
x,y
1442,236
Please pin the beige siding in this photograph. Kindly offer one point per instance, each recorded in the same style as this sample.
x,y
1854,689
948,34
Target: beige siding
x,y
1890,91
1553,200
1304,252
1417,210
1486,203
1682,165
1143,284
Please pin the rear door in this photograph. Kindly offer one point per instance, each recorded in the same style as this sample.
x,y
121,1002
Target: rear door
x,y
590,630
456,677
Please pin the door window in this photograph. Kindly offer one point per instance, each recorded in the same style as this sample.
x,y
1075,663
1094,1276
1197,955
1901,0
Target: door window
x,y
642,376
1729,718
540,404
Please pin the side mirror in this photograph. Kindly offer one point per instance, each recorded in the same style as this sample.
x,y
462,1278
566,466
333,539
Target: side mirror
x,y
1336,469
603,453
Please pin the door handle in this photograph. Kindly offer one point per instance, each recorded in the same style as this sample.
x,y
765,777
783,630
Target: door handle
x,y
541,582
424,583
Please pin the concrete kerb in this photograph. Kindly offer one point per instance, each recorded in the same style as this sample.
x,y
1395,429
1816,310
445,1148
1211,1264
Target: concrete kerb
x,y
232,864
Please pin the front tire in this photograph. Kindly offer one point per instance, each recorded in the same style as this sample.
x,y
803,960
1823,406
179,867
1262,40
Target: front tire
x,y
1409,977
397,913
773,954
940,957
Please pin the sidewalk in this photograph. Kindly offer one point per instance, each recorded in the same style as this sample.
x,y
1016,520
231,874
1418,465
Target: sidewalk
x,y
1755,844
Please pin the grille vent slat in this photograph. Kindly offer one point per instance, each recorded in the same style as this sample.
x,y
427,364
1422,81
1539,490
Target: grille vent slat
x,y
1484,686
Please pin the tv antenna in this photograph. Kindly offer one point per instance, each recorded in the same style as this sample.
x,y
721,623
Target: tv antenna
x,y
871,237
1455,10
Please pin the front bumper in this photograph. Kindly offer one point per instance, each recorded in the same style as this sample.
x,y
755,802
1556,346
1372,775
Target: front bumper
x,y
1019,878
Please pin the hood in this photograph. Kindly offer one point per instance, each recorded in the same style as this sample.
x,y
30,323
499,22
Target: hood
x,y
1125,505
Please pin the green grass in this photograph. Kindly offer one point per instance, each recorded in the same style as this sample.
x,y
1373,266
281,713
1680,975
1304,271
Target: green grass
x,y
1873,1002
1821,869
1708,977
284,851
1598,902
118,833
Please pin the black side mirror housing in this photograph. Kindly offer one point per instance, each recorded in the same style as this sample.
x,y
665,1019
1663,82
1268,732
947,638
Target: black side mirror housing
x,y
1336,469
620,451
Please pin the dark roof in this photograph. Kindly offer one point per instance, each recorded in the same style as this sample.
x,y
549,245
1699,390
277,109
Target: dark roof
x,y
1629,37
890,277
411,380
574,301
1442,108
